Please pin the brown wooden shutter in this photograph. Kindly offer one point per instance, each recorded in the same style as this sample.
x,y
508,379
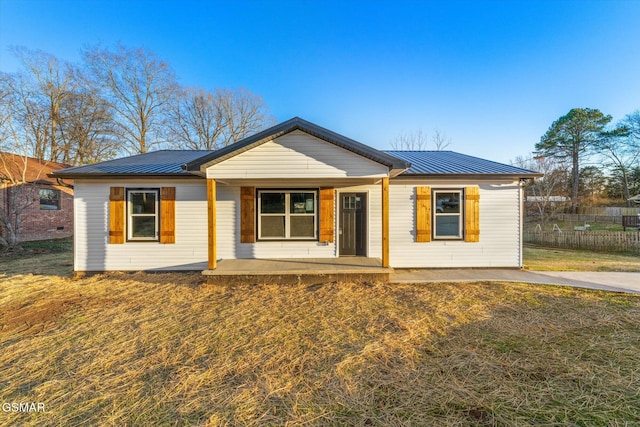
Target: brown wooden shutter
x,y
168,215
116,215
472,214
423,214
247,215
327,209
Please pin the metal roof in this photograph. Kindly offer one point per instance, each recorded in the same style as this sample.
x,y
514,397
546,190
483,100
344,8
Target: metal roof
x,y
291,125
186,163
162,162
452,163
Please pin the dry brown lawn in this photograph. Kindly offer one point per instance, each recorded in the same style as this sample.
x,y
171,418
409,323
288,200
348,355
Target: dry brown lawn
x,y
168,349
554,259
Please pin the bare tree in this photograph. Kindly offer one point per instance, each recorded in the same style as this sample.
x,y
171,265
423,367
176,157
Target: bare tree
x,y
16,193
203,120
411,141
243,113
54,111
546,194
620,149
25,119
87,129
195,120
138,86
440,140
47,82
418,141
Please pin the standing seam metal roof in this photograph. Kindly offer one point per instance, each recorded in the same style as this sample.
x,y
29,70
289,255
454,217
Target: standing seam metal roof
x,y
162,162
452,163
172,162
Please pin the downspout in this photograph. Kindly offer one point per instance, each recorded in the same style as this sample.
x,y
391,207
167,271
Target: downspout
x,y
521,225
524,183
64,184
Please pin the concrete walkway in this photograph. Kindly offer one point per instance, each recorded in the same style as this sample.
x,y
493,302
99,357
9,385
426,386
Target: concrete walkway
x,y
608,281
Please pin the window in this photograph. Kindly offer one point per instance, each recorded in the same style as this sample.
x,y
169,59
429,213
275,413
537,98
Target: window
x,y
287,214
142,216
447,214
49,199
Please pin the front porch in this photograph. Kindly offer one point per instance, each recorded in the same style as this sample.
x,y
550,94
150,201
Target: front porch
x,y
298,270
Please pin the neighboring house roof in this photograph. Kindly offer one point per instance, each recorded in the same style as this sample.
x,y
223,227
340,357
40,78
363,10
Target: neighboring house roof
x,y
289,126
12,168
450,163
155,163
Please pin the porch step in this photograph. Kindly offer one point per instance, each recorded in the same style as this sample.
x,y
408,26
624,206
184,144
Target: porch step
x,y
294,279
298,271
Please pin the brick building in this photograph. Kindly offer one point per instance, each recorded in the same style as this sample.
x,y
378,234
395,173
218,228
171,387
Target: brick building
x,y
44,205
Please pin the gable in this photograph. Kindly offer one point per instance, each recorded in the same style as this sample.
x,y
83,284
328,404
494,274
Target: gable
x,y
199,165
297,155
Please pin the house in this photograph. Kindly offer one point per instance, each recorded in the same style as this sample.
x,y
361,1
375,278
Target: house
x,y
32,205
295,191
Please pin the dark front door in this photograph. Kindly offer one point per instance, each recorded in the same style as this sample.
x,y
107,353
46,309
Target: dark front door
x,y
353,224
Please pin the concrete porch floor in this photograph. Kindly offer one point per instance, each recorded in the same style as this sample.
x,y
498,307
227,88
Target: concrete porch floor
x,y
299,270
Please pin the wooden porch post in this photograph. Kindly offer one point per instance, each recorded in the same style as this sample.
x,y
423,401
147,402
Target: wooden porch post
x,y
385,222
211,216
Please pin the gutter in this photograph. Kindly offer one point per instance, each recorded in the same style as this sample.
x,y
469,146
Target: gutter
x,y
122,175
469,175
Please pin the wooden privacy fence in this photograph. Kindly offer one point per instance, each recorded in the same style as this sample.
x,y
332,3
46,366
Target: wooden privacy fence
x,y
596,240
609,211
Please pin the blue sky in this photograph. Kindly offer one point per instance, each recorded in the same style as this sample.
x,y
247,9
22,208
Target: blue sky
x,y
492,75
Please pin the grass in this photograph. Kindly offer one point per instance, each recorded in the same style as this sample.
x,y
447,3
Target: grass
x,y
154,349
48,257
169,349
551,259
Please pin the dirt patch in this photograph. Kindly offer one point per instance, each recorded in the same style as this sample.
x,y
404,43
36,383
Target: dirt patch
x,y
28,315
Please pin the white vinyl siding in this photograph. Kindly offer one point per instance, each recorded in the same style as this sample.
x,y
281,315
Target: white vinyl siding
x,y
93,253
296,155
228,226
499,244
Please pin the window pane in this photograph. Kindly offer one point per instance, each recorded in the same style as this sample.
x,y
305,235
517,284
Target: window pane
x,y
272,203
143,203
272,226
447,202
301,203
448,226
49,199
143,226
302,226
